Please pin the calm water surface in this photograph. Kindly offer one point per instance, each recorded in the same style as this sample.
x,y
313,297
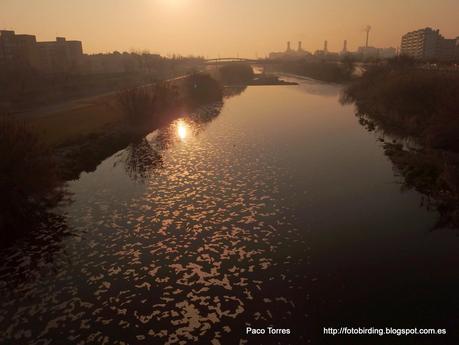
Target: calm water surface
x,y
275,208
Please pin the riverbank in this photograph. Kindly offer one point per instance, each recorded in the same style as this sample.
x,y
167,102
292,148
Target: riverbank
x,y
138,112
242,75
70,122
332,72
420,106
269,80
120,119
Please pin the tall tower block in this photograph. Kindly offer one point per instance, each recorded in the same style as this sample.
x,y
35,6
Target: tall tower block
x,y
325,46
345,46
300,47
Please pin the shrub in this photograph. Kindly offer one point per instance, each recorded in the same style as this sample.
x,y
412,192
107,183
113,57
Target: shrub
x,y
236,73
201,88
401,62
165,96
136,104
348,66
143,105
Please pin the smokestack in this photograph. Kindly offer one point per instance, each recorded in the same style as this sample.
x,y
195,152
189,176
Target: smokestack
x,y
345,46
325,46
300,48
367,30
288,46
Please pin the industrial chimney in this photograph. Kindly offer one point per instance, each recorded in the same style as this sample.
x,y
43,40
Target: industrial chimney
x,y
367,30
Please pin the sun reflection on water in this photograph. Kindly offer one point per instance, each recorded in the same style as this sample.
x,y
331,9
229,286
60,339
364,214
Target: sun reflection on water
x,y
182,129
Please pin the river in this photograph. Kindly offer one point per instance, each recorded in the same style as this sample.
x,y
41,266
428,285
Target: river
x,y
275,208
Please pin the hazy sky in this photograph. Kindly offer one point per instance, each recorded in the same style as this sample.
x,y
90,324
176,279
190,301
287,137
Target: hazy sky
x,y
225,27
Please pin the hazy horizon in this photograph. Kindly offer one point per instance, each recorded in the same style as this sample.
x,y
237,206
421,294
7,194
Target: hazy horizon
x,y
225,28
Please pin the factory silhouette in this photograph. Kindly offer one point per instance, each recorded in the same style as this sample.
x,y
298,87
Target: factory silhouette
x,y
363,52
423,44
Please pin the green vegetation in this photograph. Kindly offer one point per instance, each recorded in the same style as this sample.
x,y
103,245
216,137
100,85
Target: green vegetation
x,y
408,102
29,179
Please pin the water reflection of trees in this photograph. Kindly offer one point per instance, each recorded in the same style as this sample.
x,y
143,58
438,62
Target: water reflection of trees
x,y
431,172
141,160
144,157
206,114
31,256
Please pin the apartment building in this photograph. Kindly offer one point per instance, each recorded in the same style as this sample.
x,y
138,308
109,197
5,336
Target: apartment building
x,y
49,57
429,44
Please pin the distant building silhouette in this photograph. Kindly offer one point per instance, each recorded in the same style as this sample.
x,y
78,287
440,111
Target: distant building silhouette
x,y
325,53
60,55
429,44
49,57
373,52
19,49
289,53
362,53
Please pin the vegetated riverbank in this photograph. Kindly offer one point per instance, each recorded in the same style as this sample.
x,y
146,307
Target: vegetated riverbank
x,y
333,72
242,74
235,73
421,106
142,110
32,174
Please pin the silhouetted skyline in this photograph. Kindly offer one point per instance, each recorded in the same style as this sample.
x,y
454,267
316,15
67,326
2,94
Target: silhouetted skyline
x,y
226,28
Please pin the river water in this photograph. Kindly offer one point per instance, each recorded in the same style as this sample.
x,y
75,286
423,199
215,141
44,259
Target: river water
x,y
273,209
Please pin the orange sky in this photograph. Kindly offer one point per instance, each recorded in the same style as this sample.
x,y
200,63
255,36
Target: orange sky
x,y
225,27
